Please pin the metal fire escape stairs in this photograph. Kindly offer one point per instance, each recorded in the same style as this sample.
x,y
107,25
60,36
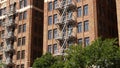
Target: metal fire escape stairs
x,y
8,37
65,23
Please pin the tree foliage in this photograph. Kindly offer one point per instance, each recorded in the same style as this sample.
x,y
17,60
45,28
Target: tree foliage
x,y
45,61
59,63
75,58
102,53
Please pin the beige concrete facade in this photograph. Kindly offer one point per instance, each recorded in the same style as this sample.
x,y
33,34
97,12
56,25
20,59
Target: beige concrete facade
x,y
98,22
118,17
31,32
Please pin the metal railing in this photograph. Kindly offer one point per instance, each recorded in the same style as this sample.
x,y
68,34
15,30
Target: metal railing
x,y
8,60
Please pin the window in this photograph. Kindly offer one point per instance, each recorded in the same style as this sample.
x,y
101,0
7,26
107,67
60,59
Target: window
x,y
69,1
25,3
11,18
21,4
70,43
4,20
19,41
50,34
78,0
4,10
12,7
22,66
1,57
64,17
50,6
0,34
80,41
79,12
55,18
23,40
50,48
86,26
55,4
70,15
0,12
23,54
79,27
20,16
63,2
55,33
55,48
85,10
24,27
25,15
70,28
19,28
0,22
18,66
50,20
64,32
86,41
3,31
18,55
2,44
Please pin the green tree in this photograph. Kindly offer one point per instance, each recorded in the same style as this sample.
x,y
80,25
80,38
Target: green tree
x,y
59,63
2,65
46,61
103,53
75,57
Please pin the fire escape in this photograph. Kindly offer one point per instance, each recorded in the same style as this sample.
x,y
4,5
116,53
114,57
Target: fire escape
x,y
8,36
65,24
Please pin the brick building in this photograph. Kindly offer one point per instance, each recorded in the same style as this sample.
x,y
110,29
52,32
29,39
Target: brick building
x,y
21,27
68,22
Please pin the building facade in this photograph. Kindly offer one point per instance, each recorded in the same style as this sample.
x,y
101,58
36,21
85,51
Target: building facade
x,y
71,22
21,27
118,17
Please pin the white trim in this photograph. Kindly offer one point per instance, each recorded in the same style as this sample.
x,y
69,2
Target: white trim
x,y
3,16
24,9
3,1
48,0
3,5
28,7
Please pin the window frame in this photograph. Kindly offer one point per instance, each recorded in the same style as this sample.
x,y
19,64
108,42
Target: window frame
x,y
86,41
55,48
50,48
50,6
19,42
22,54
23,40
55,32
80,41
79,27
18,55
79,11
49,34
85,10
86,26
